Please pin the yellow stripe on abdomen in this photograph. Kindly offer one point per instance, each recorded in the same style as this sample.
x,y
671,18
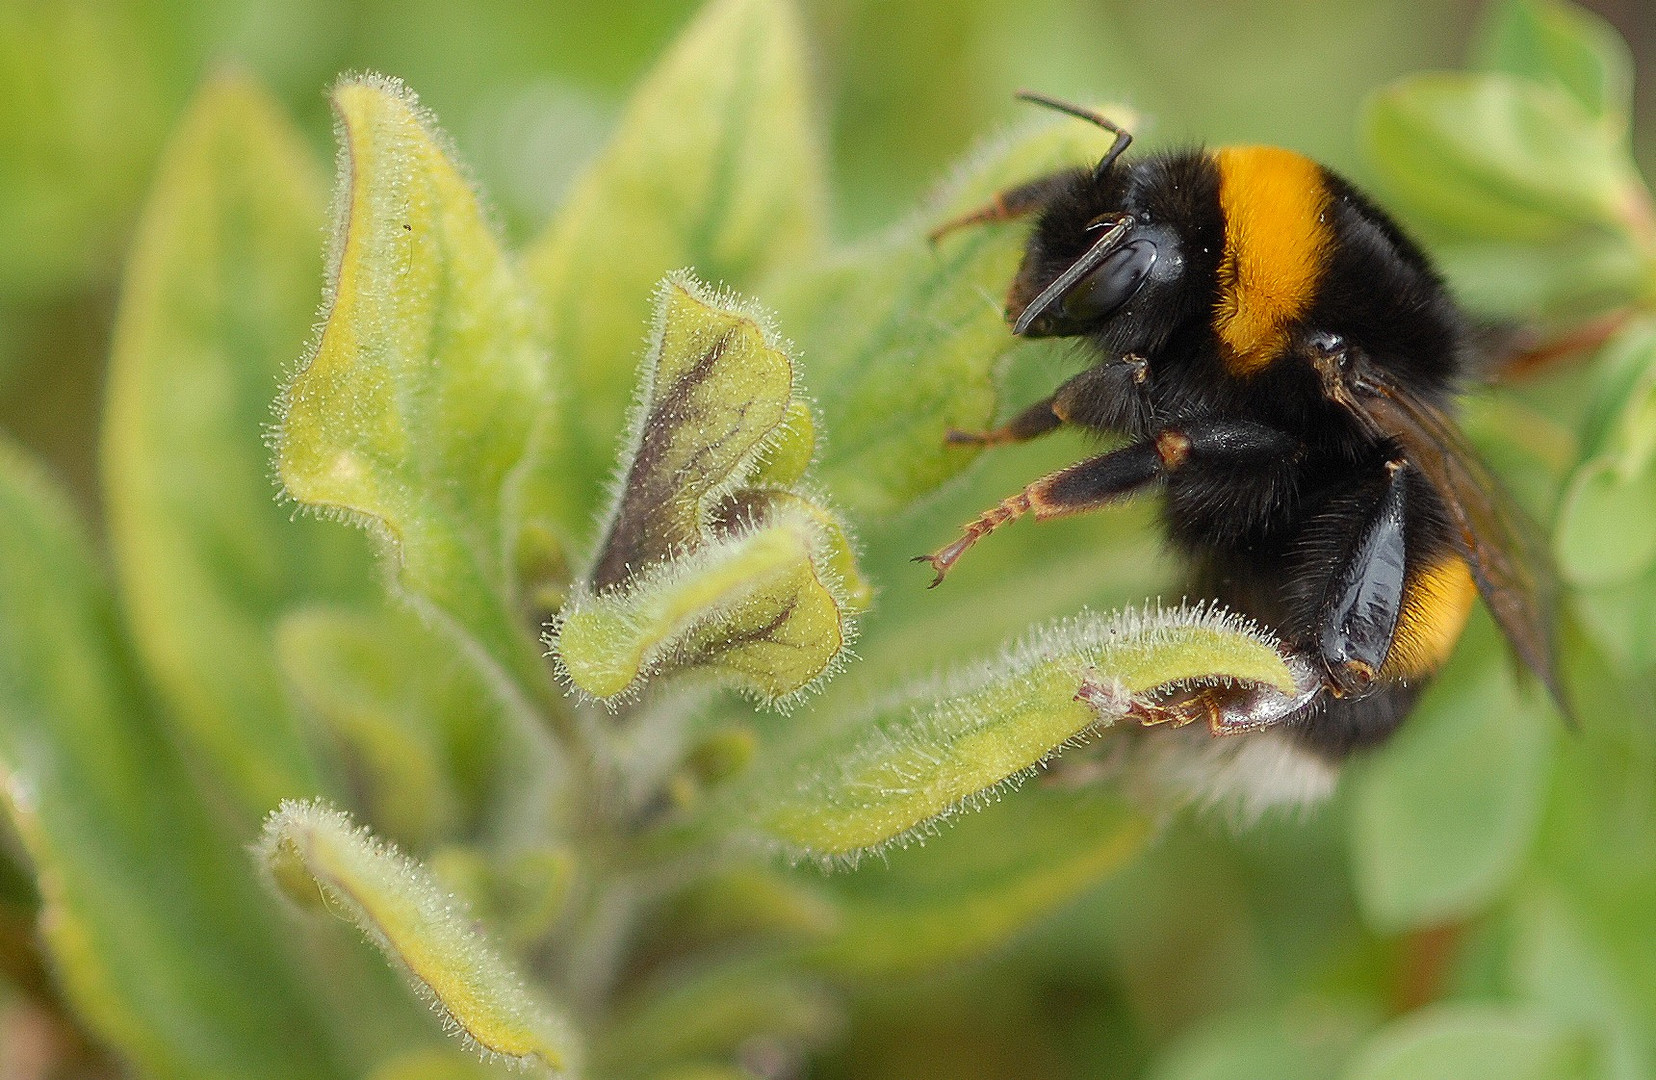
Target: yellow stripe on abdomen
x,y
1436,603
1276,244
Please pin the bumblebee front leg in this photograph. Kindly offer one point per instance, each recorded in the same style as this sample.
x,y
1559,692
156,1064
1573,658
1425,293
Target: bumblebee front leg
x,y
1107,396
1008,205
1097,482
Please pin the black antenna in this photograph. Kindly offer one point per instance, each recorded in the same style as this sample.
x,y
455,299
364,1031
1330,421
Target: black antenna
x,y
1122,138
1079,269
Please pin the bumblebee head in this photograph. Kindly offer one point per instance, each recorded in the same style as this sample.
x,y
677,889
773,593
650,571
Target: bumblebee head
x,y
1086,260
1048,301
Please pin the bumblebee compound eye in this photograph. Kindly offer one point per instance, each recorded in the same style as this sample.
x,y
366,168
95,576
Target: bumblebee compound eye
x,y
1106,289
1093,297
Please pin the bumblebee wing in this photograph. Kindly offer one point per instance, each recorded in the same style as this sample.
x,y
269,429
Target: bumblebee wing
x,y
1499,541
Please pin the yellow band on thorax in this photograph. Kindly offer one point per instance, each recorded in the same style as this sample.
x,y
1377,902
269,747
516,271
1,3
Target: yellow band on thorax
x,y
1276,244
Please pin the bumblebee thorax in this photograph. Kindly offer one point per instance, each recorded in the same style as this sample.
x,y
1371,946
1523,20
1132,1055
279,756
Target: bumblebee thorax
x,y
1277,242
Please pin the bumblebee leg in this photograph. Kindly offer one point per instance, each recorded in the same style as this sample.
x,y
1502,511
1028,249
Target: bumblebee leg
x,y
1008,205
1099,481
1363,598
1095,397
1032,423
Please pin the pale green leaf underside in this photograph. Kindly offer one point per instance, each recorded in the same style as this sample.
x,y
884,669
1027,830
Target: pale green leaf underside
x,y
318,857
931,751
426,393
752,607
712,560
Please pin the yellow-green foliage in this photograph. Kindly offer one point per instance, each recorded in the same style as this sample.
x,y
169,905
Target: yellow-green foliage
x,y
618,752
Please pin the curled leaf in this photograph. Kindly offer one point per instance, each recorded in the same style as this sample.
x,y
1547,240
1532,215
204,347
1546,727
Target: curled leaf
x,y
714,558
754,608
713,165
425,391
716,389
316,856
939,748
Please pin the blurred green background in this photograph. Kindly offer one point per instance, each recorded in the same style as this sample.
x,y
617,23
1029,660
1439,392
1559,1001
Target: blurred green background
x,y
1220,946
528,88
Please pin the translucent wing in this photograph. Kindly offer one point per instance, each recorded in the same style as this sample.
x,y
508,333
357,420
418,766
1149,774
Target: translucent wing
x,y
1498,540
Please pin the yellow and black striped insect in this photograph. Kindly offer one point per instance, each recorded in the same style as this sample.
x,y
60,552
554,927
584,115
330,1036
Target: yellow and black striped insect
x,y
1282,360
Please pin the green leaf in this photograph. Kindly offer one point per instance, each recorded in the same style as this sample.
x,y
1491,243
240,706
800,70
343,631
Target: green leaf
x,y
92,88
754,609
1607,524
318,858
157,933
421,406
415,717
1471,1042
1606,532
218,299
970,889
903,339
1431,838
714,165
1558,964
1558,283
1305,1041
1497,157
707,563
938,748
715,391
710,1013
1568,46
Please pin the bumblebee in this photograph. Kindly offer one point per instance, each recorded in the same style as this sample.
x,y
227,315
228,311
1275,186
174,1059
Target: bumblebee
x,y
1282,361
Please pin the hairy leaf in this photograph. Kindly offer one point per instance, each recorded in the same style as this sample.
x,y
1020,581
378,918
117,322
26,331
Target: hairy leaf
x,y
937,748
710,560
715,166
422,402
716,389
755,608
317,857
